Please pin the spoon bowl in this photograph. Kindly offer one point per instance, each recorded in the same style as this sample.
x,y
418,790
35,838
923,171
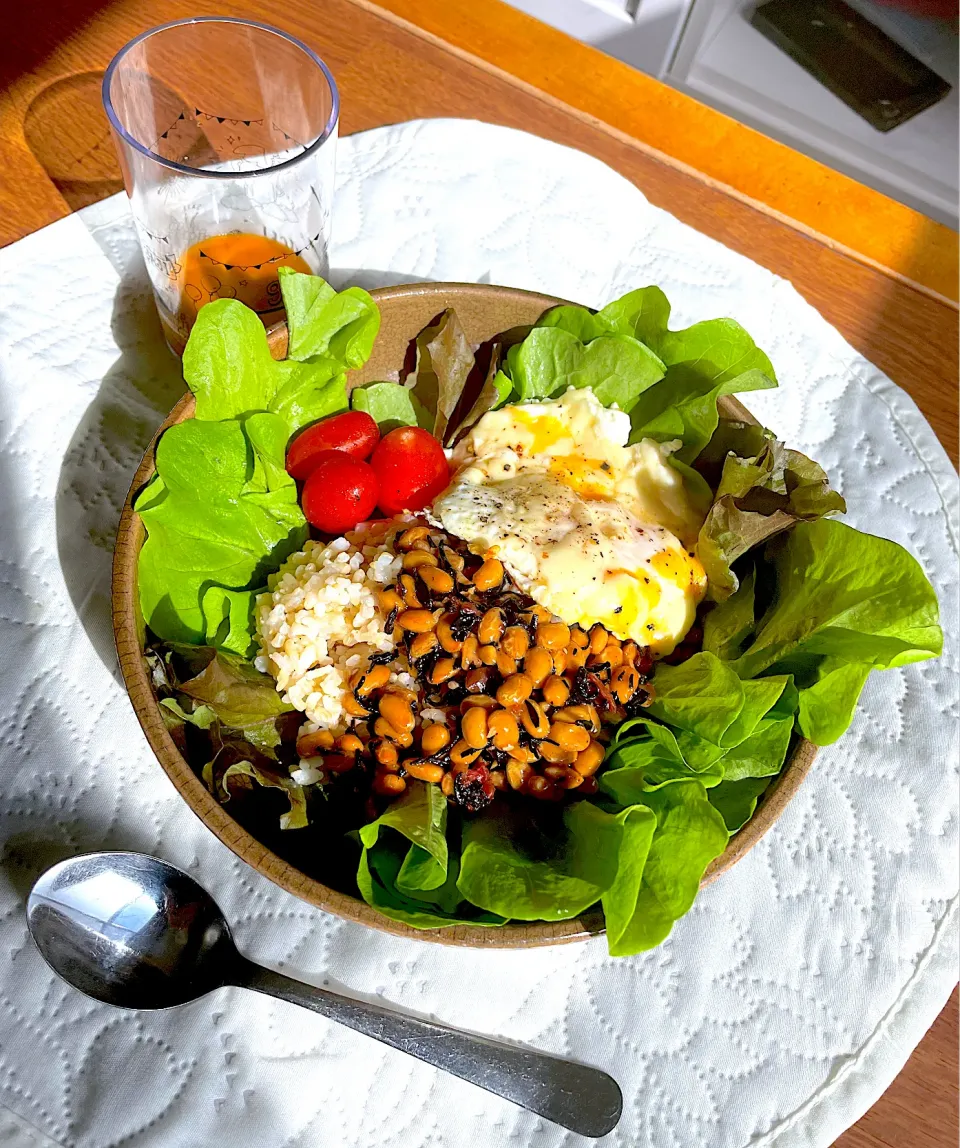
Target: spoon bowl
x,y
133,931
130,930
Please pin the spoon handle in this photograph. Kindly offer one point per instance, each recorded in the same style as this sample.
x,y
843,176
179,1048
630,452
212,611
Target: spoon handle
x,y
576,1096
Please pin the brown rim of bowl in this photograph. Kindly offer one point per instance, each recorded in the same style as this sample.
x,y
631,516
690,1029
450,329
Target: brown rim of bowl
x,y
128,632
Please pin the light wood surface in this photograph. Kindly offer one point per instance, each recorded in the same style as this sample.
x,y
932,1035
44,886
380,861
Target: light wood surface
x,y
826,203
876,270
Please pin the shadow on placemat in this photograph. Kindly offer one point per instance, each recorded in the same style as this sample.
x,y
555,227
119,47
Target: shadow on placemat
x,y
26,855
98,466
342,277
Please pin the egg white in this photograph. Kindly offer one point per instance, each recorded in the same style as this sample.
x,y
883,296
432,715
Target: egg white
x,y
592,529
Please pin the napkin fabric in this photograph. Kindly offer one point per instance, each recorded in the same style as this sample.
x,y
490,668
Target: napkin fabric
x,y
781,1006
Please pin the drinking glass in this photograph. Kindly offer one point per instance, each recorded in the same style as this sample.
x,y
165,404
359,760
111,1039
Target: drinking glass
x,y
226,131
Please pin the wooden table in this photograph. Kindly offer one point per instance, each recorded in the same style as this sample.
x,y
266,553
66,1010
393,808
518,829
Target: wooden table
x,y
881,273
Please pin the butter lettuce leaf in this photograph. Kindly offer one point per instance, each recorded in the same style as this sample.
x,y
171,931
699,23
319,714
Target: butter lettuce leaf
x,y
307,392
636,764
702,362
646,769
228,619
405,852
640,764
579,321
339,325
421,873
689,834
683,405
227,363
736,801
267,434
516,868
637,825
391,405
221,512
216,522
730,624
754,743
763,753
228,366
377,877
760,695
717,350
407,869
702,695
420,815
669,381
843,603
843,593
827,704
551,359
643,313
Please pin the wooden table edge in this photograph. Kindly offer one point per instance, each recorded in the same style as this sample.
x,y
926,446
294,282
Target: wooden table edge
x,y
678,130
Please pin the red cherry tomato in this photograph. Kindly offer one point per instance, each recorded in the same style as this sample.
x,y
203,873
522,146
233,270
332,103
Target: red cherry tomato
x,y
340,492
354,432
411,468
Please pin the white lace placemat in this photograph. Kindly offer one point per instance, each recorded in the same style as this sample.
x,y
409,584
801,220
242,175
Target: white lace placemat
x,y
781,1006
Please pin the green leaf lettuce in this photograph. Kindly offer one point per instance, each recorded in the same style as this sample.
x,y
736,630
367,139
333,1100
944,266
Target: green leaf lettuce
x,y
339,325
228,366
551,359
844,593
390,405
407,870
215,518
645,901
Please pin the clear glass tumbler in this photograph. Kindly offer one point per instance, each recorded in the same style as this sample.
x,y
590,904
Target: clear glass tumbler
x,y
226,132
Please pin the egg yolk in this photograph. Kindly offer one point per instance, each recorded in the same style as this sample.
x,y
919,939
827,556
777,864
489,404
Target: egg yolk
x,y
594,528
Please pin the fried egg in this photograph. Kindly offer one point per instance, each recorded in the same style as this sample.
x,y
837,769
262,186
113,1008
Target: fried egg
x,y
592,529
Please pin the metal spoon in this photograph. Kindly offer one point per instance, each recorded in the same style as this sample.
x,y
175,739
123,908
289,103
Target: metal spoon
x,y
133,931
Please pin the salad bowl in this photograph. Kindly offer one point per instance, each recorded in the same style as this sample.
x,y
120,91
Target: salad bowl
x,y
484,311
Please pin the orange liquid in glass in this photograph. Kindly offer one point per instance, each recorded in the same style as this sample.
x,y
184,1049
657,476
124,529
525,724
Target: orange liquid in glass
x,y
240,267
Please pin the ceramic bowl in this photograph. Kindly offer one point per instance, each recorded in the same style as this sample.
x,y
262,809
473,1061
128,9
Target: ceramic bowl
x,y
483,311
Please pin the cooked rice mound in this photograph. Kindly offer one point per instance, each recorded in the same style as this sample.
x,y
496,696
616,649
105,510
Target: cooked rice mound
x,y
319,622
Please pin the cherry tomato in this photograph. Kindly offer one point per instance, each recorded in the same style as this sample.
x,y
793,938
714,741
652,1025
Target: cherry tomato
x,y
340,492
354,432
411,468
